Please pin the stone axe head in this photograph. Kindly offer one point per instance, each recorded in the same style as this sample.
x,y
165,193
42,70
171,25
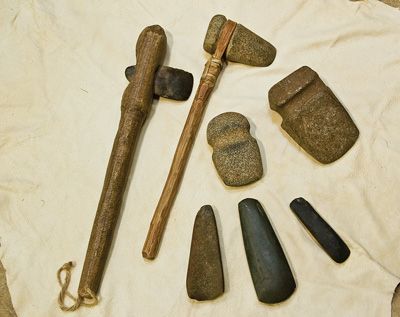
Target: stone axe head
x,y
225,39
171,83
135,105
244,46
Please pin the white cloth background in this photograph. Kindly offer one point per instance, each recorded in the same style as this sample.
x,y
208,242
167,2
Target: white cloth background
x,y
62,77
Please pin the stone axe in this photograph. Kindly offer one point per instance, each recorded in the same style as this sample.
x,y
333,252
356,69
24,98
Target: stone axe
x,y
135,106
228,40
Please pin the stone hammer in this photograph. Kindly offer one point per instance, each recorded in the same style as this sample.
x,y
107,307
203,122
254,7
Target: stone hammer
x,y
226,40
145,79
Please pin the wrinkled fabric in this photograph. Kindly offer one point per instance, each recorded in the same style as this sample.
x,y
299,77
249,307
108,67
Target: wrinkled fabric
x,y
62,77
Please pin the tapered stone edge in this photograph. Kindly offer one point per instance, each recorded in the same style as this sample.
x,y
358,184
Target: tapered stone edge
x,y
205,211
169,82
324,234
284,284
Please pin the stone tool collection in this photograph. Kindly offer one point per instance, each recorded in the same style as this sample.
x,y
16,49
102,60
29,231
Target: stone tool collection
x,y
312,116
225,40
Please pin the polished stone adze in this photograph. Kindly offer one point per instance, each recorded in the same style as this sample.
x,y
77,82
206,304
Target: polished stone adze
x,y
270,271
205,277
169,82
327,238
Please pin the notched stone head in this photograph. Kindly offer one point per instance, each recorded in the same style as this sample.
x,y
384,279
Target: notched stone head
x,y
244,47
236,155
313,116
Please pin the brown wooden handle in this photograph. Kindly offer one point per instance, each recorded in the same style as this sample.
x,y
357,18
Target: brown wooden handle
x,y
135,105
110,202
175,175
188,135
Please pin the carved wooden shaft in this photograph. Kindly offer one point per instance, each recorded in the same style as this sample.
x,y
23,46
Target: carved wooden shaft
x,y
135,105
206,86
110,201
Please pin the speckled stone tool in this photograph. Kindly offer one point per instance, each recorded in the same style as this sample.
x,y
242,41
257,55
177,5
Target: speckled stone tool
x,y
205,277
326,237
236,155
313,116
169,82
245,46
226,40
135,105
272,278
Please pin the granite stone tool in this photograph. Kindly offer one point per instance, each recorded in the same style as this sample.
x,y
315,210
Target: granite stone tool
x,y
236,155
313,116
135,105
226,40
169,82
205,277
326,237
270,271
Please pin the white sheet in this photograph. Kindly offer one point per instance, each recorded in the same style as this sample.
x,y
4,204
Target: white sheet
x,y
62,77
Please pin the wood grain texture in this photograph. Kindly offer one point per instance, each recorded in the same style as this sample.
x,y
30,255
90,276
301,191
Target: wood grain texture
x,y
136,102
210,75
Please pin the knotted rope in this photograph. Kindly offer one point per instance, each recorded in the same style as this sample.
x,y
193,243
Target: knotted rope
x,y
88,300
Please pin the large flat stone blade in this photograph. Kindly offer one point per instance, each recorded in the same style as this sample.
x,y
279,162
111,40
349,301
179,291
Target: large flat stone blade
x,y
205,277
326,237
313,116
270,271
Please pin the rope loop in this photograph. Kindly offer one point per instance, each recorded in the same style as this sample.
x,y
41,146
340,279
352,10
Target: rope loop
x,y
90,298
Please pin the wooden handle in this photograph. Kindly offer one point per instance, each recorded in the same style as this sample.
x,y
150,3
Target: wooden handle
x,y
135,105
188,135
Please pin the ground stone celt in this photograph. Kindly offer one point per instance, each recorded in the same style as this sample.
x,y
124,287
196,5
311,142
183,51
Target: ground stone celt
x,y
272,278
326,237
205,277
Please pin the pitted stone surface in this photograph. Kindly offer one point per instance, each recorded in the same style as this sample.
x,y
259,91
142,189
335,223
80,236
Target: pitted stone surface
x,y
313,116
245,47
205,277
236,155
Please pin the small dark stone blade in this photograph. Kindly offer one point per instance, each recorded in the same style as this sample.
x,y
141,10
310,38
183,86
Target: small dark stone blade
x,y
272,278
327,238
205,277
171,83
